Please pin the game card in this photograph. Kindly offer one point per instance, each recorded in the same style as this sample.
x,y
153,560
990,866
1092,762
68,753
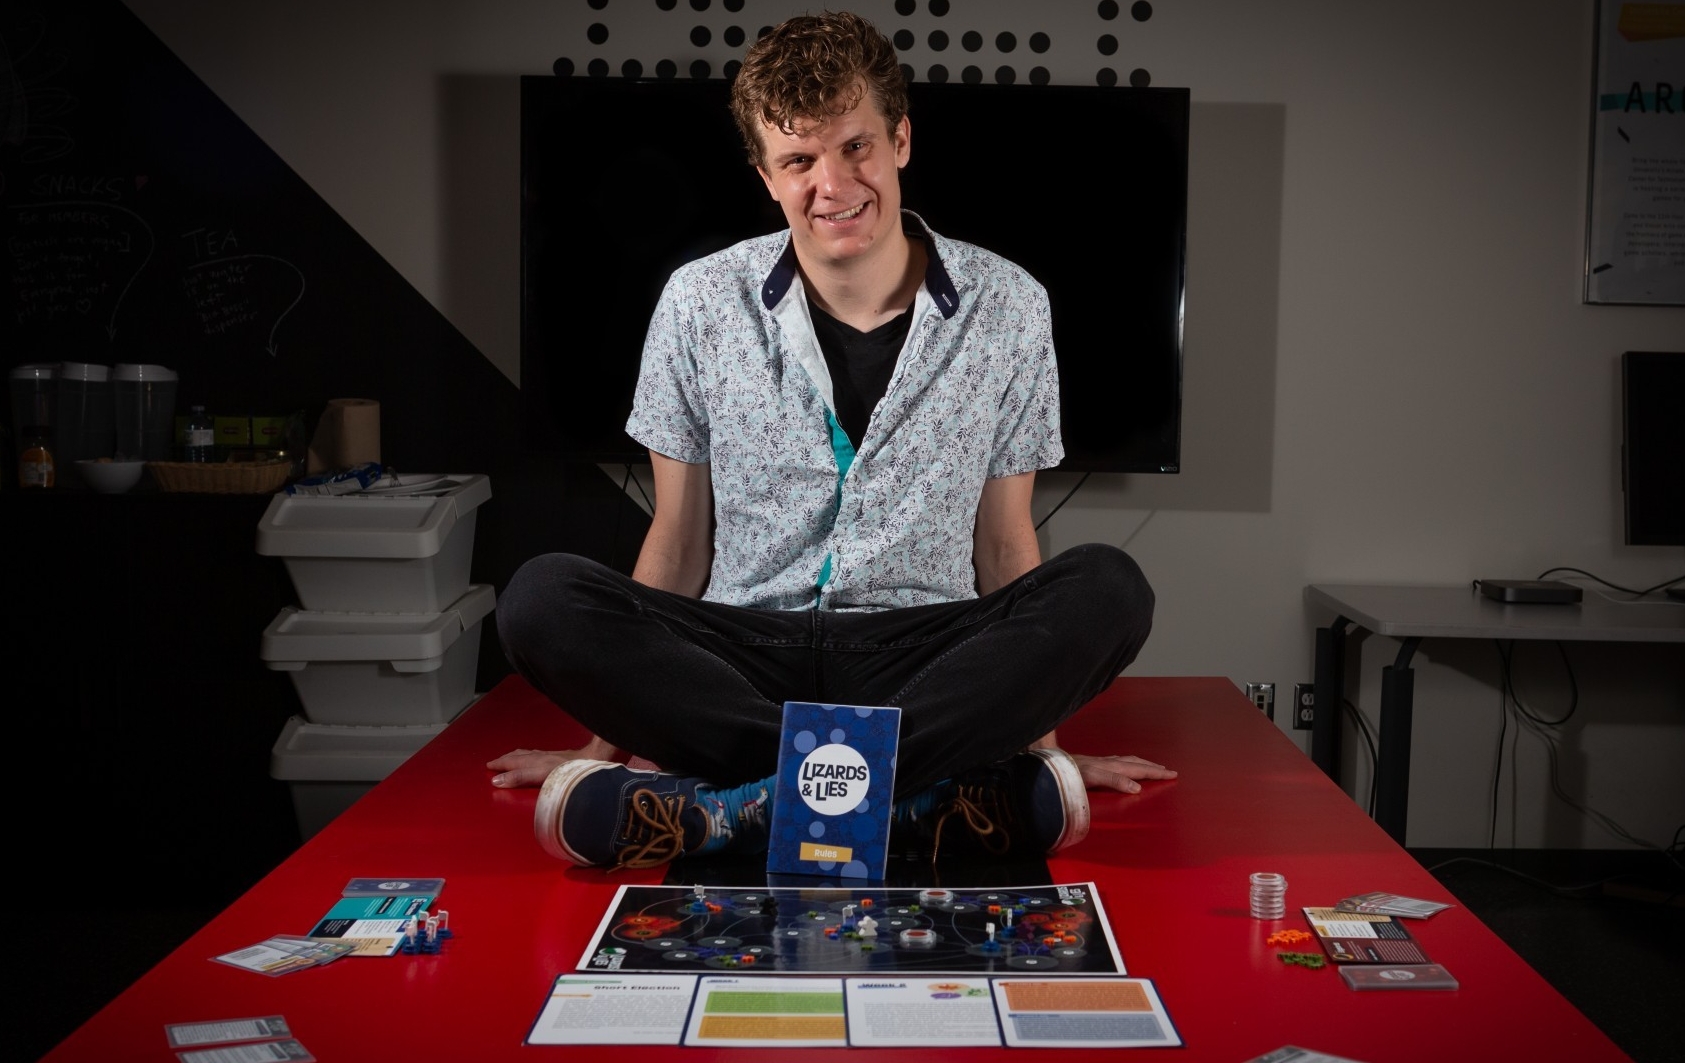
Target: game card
x,y
1404,976
1353,937
1390,904
264,1052
1295,1054
283,954
935,1012
393,887
224,1031
763,1012
373,924
647,1009
1082,1013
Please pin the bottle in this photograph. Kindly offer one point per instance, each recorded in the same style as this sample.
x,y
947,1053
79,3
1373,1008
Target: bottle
x,y
35,458
201,437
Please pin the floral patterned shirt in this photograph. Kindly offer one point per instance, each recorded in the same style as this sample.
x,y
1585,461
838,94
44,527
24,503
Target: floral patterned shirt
x,y
732,376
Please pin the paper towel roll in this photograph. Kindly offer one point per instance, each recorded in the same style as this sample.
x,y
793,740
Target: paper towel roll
x,y
348,434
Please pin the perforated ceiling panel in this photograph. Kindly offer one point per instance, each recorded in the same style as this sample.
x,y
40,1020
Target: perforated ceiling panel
x,y
972,41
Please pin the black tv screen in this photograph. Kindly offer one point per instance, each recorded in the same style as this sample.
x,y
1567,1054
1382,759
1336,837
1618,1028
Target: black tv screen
x,y
1653,447
624,180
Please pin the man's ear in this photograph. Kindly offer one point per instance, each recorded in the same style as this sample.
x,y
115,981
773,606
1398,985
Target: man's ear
x,y
903,141
773,192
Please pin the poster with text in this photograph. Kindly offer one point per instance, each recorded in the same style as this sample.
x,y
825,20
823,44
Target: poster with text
x,y
1635,232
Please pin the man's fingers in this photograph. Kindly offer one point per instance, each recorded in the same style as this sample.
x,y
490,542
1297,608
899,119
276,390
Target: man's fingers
x,y
520,777
1119,772
512,759
526,767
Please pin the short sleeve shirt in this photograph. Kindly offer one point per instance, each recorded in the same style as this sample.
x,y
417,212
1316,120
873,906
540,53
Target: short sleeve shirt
x,y
732,376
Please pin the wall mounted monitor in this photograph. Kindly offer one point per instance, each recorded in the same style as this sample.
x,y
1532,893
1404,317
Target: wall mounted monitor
x,y
624,180
1653,447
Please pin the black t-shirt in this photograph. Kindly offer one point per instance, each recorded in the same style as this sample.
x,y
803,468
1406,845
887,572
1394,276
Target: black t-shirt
x,y
861,364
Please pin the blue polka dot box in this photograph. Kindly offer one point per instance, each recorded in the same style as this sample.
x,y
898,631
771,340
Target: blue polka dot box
x,y
836,775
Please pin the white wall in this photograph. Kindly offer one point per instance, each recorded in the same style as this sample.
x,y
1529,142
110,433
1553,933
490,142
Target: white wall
x,y
1390,376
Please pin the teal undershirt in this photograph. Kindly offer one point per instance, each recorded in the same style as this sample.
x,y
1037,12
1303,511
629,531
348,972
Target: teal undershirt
x,y
843,449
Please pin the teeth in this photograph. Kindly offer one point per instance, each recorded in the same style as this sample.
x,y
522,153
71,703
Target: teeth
x,y
845,215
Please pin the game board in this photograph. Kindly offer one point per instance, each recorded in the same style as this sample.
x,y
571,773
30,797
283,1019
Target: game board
x,y
1041,930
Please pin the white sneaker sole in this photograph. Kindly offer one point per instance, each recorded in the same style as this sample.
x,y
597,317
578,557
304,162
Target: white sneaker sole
x,y
547,817
1072,794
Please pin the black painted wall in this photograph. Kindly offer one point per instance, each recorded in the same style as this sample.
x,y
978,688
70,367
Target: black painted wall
x,y
142,221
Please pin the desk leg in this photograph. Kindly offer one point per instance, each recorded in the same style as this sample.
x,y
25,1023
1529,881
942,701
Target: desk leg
x,y
1329,682
1392,774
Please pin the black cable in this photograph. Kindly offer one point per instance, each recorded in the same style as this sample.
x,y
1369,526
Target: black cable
x,y
1509,687
1369,740
1498,769
1612,586
1062,501
1544,730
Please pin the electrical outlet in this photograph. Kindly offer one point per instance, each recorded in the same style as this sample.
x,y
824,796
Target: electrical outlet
x,y
1263,696
1304,706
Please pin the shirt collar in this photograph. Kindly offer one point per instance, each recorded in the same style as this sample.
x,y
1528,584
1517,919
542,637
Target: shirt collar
x,y
936,279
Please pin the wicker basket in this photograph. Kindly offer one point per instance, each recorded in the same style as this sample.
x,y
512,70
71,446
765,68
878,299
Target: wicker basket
x,y
222,478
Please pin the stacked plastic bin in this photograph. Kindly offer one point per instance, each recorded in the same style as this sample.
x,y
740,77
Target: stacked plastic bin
x,y
384,644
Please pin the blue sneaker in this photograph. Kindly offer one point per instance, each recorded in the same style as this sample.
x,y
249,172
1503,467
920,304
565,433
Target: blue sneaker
x,y
1033,801
595,813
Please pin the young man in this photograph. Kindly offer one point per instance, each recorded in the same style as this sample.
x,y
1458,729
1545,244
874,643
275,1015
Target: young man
x,y
845,420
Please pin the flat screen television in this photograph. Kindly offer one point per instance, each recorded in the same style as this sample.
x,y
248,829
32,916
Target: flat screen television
x,y
623,180
1653,447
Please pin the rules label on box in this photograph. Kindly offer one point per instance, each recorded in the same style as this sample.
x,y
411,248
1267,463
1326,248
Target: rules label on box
x,y
836,775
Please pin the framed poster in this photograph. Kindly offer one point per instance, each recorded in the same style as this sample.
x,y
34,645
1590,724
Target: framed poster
x,y
1635,218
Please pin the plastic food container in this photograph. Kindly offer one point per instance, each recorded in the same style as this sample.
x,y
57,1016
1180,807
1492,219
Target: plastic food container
x,y
404,546
381,668
328,767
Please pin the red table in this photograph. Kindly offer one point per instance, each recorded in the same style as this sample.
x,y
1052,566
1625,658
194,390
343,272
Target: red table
x,y
1171,864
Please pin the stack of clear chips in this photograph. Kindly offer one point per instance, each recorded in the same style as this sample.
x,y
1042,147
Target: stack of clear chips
x,y
1269,895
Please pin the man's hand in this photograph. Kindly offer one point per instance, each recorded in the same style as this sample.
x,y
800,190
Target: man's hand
x,y
530,767
1118,773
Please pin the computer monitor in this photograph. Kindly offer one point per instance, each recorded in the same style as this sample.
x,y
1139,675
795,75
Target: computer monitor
x,y
1653,447
625,179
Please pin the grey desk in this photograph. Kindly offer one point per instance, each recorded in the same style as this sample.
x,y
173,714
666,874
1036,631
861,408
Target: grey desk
x,y
1412,614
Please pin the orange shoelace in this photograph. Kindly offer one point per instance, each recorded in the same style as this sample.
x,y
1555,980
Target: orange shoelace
x,y
990,830
653,834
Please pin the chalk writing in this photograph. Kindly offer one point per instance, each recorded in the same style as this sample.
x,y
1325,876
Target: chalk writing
x,y
235,292
76,259
32,106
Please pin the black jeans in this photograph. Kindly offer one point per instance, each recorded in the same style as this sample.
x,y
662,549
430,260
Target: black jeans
x,y
699,687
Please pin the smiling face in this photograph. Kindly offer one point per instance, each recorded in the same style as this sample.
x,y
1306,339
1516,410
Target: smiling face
x,y
839,184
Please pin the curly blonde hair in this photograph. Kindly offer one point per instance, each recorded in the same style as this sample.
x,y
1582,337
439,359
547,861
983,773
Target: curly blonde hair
x,y
811,68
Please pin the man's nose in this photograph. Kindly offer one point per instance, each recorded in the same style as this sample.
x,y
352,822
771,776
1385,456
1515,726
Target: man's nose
x,y
836,174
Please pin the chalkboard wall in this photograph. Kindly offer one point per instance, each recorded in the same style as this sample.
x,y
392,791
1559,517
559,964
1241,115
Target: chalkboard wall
x,y
142,221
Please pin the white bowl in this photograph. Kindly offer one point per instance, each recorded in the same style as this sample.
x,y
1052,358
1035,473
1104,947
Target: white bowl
x,y
110,477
